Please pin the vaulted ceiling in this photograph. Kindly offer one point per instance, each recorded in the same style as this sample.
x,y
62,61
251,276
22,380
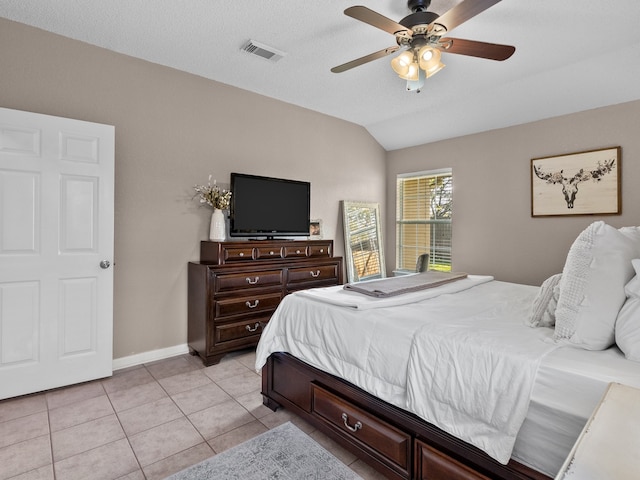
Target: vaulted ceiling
x,y
571,55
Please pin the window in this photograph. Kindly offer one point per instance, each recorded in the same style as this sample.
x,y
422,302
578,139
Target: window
x,y
423,219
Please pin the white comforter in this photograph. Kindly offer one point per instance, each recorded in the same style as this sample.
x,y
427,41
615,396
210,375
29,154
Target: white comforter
x,y
473,376
383,350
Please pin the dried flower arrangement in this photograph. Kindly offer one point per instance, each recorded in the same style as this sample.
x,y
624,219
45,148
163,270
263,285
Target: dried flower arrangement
x,y
213,195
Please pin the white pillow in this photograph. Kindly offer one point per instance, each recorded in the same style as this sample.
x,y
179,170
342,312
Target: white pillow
x,y
632,289
628,322
596,271
633,233
543,309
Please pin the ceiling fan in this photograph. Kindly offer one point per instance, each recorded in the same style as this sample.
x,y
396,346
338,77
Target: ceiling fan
x,y
421,35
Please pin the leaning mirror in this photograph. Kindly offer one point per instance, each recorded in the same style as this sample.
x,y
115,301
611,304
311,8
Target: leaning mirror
x,y
364,254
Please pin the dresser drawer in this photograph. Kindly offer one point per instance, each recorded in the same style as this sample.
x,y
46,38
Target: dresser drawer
x,y
295,251
367,431
313,273
229,332
265,253
248,304
236,254
237,281
319,250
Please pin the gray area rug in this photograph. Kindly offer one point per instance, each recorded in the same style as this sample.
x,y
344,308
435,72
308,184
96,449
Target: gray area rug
x,y
283,453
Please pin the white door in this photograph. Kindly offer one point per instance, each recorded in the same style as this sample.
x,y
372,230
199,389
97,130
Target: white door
x,y
56,250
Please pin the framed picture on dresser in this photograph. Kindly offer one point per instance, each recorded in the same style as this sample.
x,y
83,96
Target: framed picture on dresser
x,y
315,229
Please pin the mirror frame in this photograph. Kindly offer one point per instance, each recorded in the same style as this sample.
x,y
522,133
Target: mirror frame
x,y
374,209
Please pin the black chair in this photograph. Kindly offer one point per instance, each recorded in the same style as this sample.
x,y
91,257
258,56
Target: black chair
x,y
422,265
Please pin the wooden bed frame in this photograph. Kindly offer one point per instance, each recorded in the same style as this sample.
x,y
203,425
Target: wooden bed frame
x,y
395,442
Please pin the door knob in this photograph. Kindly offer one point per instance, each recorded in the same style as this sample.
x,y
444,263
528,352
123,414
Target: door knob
x,y
105,264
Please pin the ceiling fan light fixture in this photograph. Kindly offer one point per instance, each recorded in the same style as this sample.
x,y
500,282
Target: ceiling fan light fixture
x,y
417,84
434,69
425,54
417,64
413,73
429,58
402,63
421,33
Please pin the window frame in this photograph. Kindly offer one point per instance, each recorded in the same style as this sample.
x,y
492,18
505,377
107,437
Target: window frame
x,y
402,245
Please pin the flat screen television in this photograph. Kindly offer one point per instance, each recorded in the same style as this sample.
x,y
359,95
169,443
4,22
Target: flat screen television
x,y
269,207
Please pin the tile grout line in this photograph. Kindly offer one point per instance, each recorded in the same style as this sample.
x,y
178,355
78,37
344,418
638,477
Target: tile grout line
x,y
122,426
53,466
185,416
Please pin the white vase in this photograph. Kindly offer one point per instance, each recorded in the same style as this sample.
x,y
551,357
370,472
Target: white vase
x,y
218,231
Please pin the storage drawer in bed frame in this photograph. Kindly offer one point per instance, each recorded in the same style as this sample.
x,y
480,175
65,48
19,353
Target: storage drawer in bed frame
x,y
401,445
384,441
432,464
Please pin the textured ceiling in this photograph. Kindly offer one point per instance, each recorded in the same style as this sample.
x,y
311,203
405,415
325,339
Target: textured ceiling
x,y
571,55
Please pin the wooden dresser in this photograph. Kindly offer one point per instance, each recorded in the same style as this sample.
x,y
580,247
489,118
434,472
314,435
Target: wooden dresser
x,y
236,287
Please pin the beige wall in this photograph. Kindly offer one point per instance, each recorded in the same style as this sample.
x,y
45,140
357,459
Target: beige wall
x,y
173,130
493,231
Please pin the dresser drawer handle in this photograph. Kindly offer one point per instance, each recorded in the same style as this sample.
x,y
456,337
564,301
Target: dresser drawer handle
x,y
241,254
322,250
355,428
298,251
252,305
252,282
315,274
255,327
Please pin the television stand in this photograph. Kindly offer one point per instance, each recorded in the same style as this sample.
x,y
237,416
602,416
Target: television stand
x,y
236,287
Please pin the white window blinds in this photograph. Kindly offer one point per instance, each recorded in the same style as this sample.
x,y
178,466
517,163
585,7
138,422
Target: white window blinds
x,y
423,219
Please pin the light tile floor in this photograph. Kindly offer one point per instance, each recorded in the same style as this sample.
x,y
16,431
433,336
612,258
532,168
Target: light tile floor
x,y
144,422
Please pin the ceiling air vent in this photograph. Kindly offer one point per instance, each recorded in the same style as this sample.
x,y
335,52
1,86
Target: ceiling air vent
x,y
261,50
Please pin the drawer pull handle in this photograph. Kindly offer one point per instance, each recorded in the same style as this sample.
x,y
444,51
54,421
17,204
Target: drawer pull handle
x,y
272,252
255,327
315,274
252,305
241,254
322,250
298,251
355,428
252,282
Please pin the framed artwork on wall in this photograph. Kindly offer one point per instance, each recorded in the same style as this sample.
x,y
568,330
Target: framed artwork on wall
x,y
315,229
582,183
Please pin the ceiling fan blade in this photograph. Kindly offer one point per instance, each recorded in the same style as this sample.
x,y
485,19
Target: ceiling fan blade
x,y
375,19
462,12
365,59
491,51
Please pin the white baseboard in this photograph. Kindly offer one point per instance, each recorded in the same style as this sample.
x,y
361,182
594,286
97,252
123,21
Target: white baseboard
x,y
151,356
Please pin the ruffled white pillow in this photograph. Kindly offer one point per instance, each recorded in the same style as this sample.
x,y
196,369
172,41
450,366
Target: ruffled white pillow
x,y
633,233
596,271
628,322
543,308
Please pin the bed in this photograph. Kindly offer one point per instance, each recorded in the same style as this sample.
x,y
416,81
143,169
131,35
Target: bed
x,y
475,378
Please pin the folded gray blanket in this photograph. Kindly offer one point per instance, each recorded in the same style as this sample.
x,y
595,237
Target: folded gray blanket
x,y
388,287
